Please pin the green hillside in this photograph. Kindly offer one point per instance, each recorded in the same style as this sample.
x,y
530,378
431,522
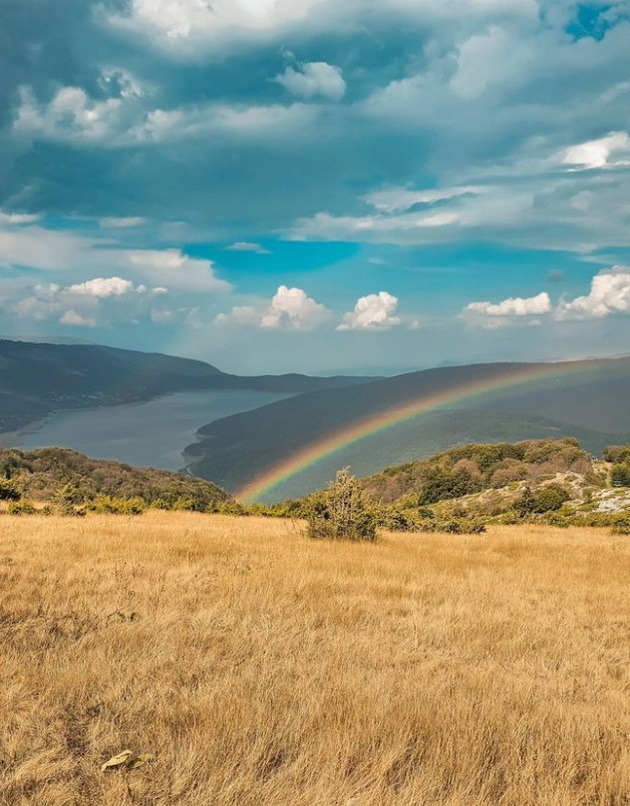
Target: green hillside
x,y
475,468
37,379
553,481
64,476
589,400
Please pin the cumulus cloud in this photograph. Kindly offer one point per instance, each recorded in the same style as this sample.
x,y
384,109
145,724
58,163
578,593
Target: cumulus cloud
x,y
606,152
241,315
74,319
102,288
186,28
289,309
88,304
294,309
174,269
610,293
314,79
513,306
74,117
372,312
70,116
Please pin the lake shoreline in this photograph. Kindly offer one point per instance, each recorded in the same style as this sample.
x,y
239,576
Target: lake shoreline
x,y
151,433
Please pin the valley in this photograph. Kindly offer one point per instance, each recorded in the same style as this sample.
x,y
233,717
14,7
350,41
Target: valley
x,y
294,446
151,433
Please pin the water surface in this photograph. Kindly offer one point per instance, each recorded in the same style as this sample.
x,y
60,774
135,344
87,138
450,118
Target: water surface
x,y
146,434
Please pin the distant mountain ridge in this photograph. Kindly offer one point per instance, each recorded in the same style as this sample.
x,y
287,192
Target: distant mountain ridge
x,y
589,400
39,378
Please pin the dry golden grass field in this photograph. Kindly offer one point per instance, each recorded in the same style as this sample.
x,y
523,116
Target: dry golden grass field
x,y
264,669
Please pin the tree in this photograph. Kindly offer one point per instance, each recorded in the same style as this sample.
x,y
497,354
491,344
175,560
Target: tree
x,y
341,511
546,499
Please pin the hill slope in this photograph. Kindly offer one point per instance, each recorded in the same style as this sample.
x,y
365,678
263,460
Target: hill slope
x,y
259,667
42,474
36,379
589,400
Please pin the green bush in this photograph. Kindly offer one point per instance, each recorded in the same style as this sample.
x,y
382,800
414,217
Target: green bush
x,y
622,526
9,490
23,507
341,511
620,475
546,499
68,510
118,506
455,526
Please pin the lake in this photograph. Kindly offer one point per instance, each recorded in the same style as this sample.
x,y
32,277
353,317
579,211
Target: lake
x,y
150,434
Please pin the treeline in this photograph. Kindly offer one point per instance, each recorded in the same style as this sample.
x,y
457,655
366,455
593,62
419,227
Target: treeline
x,y
619,457
67,480
473,468
465,489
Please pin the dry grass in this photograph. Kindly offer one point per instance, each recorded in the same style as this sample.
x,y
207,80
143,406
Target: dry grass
x,y
262,668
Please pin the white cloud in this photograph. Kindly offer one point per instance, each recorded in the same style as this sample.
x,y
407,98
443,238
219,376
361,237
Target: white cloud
x,y
404,228
242,315
18,218
70,116
314,79
289,309
88,304
373,312
174,269
479,56
246,246
610,293
76,320
102,288
187,27
122,223
161,317
41,248
606,152
513,306
399,199
294,309
275,121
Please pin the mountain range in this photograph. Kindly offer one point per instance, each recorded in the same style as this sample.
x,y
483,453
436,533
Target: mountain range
x,y
589,400
37,379
292,446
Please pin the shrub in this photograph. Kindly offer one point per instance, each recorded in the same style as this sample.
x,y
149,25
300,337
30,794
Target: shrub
x,y
622,526
9,490
441,483
620,475
341,511
68,510
118,506
546,499
24,507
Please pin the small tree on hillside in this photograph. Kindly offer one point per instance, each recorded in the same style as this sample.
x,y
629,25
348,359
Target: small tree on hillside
x,y
341,511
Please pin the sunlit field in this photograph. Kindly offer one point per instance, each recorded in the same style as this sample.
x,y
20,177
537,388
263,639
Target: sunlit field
x,y
261,668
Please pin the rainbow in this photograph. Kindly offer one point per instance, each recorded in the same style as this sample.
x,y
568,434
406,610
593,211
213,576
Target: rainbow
x,y
502,377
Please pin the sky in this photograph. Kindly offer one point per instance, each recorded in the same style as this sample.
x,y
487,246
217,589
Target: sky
x,y
364,186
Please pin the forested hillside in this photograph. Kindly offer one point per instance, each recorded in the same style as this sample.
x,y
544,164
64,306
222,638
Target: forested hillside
x,y
64,476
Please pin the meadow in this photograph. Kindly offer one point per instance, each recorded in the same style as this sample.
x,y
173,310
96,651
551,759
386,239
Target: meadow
x,y
257,666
